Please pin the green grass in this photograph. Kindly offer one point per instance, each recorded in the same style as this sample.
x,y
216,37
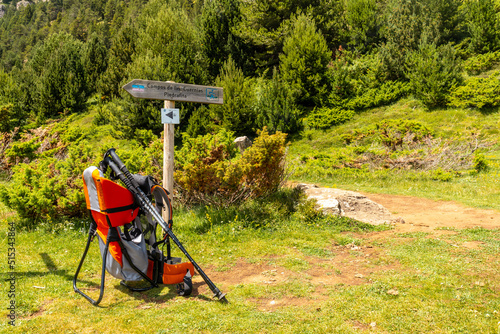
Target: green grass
x,y
441,288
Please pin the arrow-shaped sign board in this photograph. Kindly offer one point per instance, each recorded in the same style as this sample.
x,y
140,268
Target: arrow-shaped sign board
x,y
170,116
161,90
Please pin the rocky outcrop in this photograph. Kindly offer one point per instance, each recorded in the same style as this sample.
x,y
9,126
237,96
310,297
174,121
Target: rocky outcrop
x,y
22,4
243,143
349,204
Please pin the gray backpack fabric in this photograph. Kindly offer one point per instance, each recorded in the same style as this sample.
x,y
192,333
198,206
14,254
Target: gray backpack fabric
x,y
136,248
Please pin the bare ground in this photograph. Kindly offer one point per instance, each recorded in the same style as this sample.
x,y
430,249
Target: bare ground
x,y
426,215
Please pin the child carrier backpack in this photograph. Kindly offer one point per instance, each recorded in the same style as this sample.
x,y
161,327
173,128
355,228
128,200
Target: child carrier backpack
x,y
127,234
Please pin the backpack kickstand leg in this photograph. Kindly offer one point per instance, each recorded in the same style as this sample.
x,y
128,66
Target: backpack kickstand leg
x,y
92,233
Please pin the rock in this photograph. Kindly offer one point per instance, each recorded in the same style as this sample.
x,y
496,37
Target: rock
x,y
2,10
393,292
349,204
22,3
243,143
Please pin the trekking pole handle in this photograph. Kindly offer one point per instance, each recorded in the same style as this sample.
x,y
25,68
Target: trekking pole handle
x,y
120,167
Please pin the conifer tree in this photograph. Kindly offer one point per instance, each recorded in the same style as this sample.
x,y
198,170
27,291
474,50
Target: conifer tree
x,y
303,64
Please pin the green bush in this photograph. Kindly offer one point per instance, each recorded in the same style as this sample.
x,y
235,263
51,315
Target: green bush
x,y
209,169
395,132
20,151
477,93
358,82
237,113
481,20
387,93
432,72
57,76
48,188
46,180
324,118
482,62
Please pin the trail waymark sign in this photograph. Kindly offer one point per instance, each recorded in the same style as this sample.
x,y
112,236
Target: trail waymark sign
x,y
170,116
162,90
170,92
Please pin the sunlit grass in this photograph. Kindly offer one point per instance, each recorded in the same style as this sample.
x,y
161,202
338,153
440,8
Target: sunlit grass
x,y
441,285
415,282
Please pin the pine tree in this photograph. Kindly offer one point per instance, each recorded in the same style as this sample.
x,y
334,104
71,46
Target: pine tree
x,y
362,17
219,42
303,64
94,61
483,25
237,113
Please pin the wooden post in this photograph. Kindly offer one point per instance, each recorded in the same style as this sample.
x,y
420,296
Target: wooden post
x,y
168,153
170,92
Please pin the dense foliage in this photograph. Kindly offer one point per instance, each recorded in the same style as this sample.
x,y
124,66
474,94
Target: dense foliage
x,y
327,53
211,170
284,65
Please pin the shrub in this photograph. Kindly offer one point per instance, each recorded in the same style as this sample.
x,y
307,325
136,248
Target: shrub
x,y
482,62
324,118
387,93
265,161
49,188
22,150
440,175
276,106
480,163
202,162
432,72
477,93
46,180
209,169
395,132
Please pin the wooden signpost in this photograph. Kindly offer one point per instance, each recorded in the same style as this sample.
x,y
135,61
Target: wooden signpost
x,y
171,92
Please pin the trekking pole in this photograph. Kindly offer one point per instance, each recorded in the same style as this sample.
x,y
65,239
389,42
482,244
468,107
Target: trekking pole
x,y
112,160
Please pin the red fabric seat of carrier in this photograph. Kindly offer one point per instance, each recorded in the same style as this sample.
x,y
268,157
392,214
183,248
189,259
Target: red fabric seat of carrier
x,y
110,204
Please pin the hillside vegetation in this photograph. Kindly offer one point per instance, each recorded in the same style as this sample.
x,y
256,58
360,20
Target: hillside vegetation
x,y
378,95
386,96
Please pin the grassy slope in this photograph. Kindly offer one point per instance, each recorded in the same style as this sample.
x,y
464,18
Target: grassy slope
x,y
482,190
440,287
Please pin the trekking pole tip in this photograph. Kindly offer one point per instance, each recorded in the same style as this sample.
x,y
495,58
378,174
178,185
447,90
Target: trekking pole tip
x,y
221,296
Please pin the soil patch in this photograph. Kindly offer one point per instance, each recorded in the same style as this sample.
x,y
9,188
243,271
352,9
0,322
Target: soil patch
x,y
422,214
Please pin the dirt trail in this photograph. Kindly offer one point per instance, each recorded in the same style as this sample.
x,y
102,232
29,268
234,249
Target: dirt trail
x,y
425,214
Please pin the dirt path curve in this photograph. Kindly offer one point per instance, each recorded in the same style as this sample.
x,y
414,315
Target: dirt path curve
x,y
425,215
